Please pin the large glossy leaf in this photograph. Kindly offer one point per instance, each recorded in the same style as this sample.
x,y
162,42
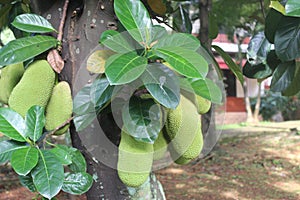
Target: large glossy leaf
x,y
183,40
35,122
12,124
134,17
101,93
82,103
278,6
184,61
24,160
63,153
294,87
23,49
117,42
213,29
78,162
7,148
181,20
272,60
32,23
292,8
205,88
96,61
258,71
77,183
272,20
258,49
287,39
84,120
230,63
283,76
124,68
162,84
27,182
48,175
142,119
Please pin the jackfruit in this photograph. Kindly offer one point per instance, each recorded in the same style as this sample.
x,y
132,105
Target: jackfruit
x,y
59,108
160,146
135,160
9,77
203,105
34,88
183,127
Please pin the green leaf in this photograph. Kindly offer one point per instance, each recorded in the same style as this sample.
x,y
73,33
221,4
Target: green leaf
x,y
7,148
12,124
101,93
82,103
77,183
292,8
230,63
134,17
213,29
259,71
48,175
162,84
116,41
276,5
32,23
271,25
96,61
84,120
258,49
185,62
142,119
181,20
63,153
23,49
35,122
272,60
27,182
294,86
78,162
283,76
205,88
287,39
184,40
124,68
24,160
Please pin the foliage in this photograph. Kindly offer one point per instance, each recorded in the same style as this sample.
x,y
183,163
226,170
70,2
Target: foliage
x,y
40,169
283,30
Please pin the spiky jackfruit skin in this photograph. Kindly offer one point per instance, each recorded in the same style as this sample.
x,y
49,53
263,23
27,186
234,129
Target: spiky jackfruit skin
x,y
160,146
9,77
203,105
183,128
134,161
34,88
59,108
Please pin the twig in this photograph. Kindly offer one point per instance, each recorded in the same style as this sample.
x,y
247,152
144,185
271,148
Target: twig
x,y
62,125
262,8
62,21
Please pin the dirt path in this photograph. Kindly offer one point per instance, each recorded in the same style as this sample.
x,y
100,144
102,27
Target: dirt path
x,y
259,166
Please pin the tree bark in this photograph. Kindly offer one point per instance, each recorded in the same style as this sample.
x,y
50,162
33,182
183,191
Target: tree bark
x,y
86,20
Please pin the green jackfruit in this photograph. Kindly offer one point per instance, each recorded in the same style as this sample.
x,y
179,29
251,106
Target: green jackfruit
x,y
34,88
203,105
135,161
59,108
9,77
160,146
183,127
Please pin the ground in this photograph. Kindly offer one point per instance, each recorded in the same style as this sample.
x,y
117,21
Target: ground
x,y
245,165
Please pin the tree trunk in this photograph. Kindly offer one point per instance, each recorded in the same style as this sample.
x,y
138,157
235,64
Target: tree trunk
x,y
85,21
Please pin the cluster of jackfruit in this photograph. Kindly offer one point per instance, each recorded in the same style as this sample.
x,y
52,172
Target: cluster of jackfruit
x,y
21,89
181,136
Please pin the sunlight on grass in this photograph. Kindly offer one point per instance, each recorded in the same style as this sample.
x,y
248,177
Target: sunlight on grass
x,y
290,186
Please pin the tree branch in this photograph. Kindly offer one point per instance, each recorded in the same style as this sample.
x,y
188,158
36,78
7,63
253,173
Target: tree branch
x,y
62,21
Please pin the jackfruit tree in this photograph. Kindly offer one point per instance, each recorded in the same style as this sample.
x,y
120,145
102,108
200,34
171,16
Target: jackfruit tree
x,y
136,90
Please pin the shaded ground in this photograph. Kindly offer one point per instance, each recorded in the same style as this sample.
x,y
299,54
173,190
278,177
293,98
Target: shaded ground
x,y
253,166
247,164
